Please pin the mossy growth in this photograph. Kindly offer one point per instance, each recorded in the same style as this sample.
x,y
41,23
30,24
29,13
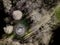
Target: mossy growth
x,y
57,13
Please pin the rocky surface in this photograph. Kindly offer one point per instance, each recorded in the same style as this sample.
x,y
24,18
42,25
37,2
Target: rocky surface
x,y
36,15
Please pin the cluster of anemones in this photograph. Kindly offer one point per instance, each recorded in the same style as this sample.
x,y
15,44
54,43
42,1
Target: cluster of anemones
x,y
19,29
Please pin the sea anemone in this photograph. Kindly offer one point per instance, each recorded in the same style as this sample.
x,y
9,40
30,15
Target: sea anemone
x,y
19,29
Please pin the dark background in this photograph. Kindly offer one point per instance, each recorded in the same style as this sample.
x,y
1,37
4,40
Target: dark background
x,y
55,37
2,16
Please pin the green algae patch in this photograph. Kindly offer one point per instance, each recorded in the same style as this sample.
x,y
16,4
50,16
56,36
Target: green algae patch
x,y
57,13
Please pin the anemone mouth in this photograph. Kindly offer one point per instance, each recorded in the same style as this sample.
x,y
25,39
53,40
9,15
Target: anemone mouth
x,y
19,29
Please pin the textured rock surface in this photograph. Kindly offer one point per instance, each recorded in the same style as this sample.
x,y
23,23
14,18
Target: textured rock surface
x,y
36,15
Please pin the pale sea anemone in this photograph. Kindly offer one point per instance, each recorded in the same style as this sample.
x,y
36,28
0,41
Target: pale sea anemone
x,y
19,29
